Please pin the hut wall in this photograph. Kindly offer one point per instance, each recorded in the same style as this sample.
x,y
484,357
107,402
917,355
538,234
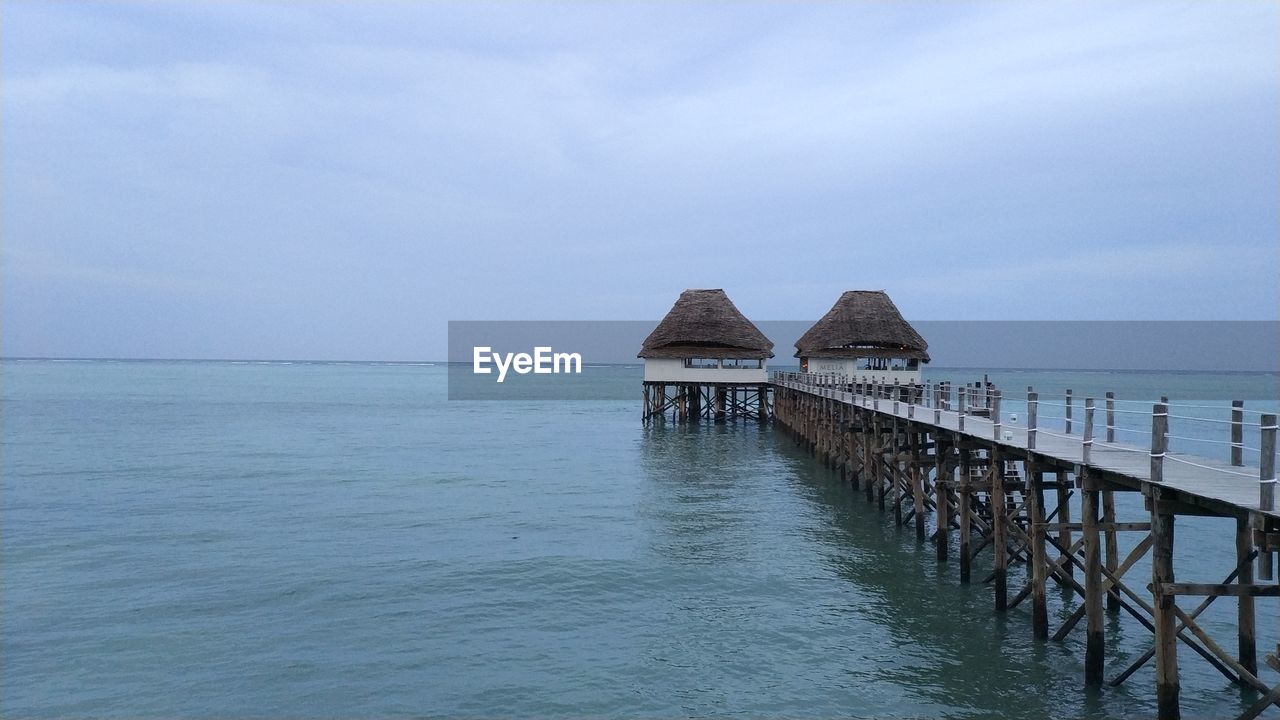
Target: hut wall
x,y
836,366
673,370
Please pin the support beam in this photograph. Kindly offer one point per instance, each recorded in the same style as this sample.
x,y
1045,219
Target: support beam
x,y
1146,657
1215,590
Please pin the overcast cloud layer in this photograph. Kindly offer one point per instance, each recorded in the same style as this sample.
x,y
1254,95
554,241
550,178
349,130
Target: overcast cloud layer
x,y
312,180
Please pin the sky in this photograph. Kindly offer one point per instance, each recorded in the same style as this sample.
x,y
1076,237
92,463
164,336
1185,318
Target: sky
x,y
338,180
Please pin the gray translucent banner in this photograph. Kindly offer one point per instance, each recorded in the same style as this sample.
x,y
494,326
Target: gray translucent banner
x,y
1065,351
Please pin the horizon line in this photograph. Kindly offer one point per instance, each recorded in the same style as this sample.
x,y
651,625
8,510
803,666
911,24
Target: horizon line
x,y
637,362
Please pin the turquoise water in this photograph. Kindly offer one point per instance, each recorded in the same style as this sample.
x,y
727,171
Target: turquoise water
x,y
333,540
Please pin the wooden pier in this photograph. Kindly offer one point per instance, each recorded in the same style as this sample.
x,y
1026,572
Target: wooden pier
x,y
948,462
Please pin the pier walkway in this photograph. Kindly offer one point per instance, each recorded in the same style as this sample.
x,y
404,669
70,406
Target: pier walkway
x,y
963,465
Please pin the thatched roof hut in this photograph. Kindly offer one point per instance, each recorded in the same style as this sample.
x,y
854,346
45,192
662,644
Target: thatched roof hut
x,y
863,323
705,323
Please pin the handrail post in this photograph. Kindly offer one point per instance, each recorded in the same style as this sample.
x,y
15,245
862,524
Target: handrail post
x,y
1068,430
995,414
1237,433
1267,484
1033,405
897,393
1111,416
1267,464
961,399
1086,444
1159,440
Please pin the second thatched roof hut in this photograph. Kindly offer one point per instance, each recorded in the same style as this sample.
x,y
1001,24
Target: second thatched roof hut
x,y
864,335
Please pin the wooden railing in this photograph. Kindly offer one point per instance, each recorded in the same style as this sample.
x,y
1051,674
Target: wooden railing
x,y
983,399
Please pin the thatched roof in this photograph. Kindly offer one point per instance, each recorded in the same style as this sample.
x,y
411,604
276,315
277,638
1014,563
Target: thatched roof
x,y
868,321
705,323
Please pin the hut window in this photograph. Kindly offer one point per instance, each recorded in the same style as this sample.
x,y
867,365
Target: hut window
x,y
747,363
884,363
701,362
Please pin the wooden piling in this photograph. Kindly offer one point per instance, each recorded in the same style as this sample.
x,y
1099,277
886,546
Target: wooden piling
x,y
1094,638
1064,516
878,461
940,498
917,485
1248,646
1039,564
870,472
1112,558
965,510
1165,617
999,529
1165,621
895,449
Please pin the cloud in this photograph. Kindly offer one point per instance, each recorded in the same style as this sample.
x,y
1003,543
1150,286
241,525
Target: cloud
x,y
569,160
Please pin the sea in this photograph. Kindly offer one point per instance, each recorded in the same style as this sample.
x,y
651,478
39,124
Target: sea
x,y
228,539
